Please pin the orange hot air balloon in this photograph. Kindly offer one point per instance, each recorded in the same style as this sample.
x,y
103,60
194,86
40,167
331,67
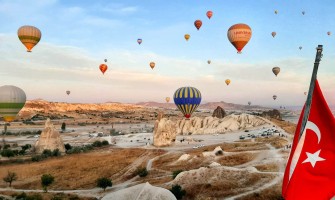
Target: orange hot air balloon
x,y
29,36
152,65
239,35
103,68
273,34
209,14
198,24
187,37
227,81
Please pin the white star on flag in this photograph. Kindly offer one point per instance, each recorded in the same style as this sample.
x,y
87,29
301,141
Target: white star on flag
x,y
313,158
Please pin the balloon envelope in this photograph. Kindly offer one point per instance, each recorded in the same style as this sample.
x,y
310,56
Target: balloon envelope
x,y
239,35
105,60
329,33
68,92
276,70
276,12
12,100
227,81
198,24
187,99
303,12
139,40
209,14
167,99
300,47
103,68
249,102
209,61
152,65
273,34
274,97
29,36
187,37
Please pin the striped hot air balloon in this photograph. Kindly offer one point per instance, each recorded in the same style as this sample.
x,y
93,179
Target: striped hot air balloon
x,y
12,100
187,99
239,35
29,36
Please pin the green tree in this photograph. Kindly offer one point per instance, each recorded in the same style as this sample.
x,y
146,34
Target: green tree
x,y
142,172
175,173
46,181
104,183
177,191
11,176
63,126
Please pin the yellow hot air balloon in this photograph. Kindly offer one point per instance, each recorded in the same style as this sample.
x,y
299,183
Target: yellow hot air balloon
x,y
187,37
227,81
239,35
152,65
12,100
276,70
167,99
29,36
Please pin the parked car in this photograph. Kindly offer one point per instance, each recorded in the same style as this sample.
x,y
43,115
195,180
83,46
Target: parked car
x,y
242,137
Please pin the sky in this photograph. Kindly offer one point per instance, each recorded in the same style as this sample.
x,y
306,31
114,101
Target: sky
x,y
78,35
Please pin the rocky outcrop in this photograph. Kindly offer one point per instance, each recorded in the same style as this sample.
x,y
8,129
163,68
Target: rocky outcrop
x,y
49,139
142,191
272,114
164,131
219,113
211,125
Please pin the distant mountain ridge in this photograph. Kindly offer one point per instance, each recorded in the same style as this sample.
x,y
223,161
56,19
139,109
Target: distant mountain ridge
x,y
205,106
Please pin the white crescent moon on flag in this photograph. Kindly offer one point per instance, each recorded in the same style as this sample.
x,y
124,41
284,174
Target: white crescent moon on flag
x,y
309,125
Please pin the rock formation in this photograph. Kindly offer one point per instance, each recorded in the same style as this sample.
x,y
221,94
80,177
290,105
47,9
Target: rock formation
x,y
164,131
212,125
219,113
142,191
272,114
49,139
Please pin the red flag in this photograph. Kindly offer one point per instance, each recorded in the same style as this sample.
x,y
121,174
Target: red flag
x,y
310,170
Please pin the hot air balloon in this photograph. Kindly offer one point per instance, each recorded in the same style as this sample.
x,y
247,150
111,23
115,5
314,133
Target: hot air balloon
x,y
198,24
249,103
167,99
300,47
152,65
329,33
209,61
103,68
209,14
305,93
276,12
29,36
227,81
239,35
187,99
139,40
187,36
68,92
273,34
303,12
274,97
12,100
276,70
105,60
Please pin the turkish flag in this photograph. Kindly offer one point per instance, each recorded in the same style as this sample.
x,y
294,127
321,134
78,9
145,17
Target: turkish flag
x,y
310,170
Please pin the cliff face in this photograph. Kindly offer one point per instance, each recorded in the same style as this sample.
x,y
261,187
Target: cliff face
x,y
164,132
211,125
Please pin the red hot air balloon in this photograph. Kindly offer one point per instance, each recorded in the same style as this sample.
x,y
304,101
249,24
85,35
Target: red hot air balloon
x,y
103,68
209,14
198,24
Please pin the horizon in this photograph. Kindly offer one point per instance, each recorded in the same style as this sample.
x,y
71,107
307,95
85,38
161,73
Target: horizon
x,y
77,37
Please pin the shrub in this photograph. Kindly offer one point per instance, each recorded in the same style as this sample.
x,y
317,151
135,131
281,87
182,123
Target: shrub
x,y
47,153
178,191
37,158
7,153
46,180
97,143
105,142
74,150
104,182
63,126
175,173
56,153
11,176
142,172
219,153
68,146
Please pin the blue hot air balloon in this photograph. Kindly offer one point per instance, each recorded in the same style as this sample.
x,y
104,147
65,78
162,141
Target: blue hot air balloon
x,y
187,99
139,40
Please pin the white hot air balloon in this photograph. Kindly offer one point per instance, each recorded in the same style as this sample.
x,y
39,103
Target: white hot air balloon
x,y
12,100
